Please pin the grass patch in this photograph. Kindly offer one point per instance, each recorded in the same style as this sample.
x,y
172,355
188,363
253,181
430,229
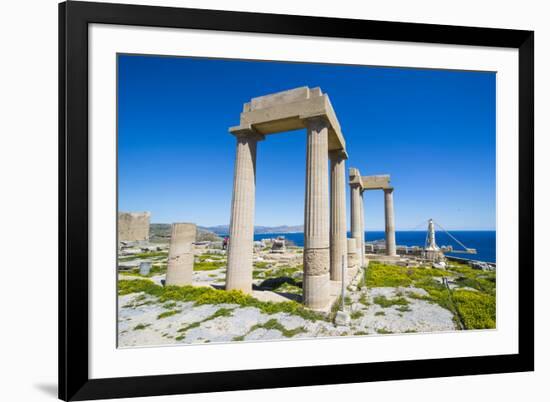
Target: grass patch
x,y
204,257
150,254
168,314
383,331
222,312
382,301
206,295
364,300
403,309
141,326
274,324
378,313
356,315
261,264
207,266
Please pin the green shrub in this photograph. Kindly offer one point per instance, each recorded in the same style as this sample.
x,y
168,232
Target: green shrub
x,y
477,310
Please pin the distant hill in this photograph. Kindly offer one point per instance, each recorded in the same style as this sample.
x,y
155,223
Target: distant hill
x,y
160,232
224,229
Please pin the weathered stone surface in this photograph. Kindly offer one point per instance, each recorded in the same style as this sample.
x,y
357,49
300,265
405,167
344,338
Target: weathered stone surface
x,y
317,261
316,217
241,228
353,254
180,257
342,318
316,291
338,227
133,226
390,222
290,110
379,182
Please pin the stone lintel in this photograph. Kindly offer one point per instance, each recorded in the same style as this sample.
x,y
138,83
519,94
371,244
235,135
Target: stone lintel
x,y
289,110
380,182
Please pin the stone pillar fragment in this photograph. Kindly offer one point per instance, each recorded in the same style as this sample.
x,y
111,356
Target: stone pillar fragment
x,y
180,256
390,222
338,229
316,284
241,228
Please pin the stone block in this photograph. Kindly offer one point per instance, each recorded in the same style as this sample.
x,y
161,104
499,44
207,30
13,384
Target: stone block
x,y
133,226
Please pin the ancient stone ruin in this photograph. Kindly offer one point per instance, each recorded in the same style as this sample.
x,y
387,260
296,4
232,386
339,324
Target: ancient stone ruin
x,y
325,209
133,226
358,185
181,254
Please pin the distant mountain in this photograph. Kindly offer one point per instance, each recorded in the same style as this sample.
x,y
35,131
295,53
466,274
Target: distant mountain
x,y
224,229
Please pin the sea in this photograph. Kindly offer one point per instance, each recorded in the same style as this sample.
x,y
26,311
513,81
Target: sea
x,y
484,241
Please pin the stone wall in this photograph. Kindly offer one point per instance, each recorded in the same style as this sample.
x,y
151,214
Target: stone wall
x,y
133,226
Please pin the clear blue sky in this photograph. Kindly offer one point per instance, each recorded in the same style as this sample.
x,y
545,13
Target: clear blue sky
x,y
433,131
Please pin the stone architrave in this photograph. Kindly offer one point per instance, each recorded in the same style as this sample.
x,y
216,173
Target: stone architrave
x,y
316,283
133,226
241,228
181,255
338,227
390,222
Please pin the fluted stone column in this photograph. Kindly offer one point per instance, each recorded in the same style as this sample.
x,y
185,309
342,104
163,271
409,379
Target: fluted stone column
x,y
362,223
356,216
241,228
353,257
390,222
316,284
180,256
338,227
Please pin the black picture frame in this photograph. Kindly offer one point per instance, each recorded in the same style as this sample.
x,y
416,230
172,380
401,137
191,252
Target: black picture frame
x,y
74,18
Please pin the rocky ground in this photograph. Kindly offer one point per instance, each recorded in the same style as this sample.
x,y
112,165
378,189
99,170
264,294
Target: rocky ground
x,y
392,300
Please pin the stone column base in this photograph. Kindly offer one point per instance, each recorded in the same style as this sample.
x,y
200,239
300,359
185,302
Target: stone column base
x,y
316,289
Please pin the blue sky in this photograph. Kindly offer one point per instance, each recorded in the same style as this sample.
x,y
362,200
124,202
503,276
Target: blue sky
x,y
433,131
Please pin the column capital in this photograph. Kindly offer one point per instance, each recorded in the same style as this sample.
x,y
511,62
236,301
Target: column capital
x,y
388,190
338,155
317,122
247,133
